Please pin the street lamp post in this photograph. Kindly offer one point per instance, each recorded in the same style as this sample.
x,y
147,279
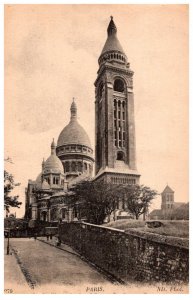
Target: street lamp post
x,y
8,242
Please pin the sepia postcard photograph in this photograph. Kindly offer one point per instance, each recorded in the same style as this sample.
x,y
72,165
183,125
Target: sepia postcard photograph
x,y
96,183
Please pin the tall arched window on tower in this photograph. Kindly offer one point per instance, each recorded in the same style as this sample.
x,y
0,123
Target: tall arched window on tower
x,y
119,85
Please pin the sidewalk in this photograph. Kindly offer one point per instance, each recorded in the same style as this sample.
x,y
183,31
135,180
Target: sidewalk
x,y
14,280
64,247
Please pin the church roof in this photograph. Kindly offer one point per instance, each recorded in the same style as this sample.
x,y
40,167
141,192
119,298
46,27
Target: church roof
x,y
178,204
73,133
53,164
78,179
112,42
167,190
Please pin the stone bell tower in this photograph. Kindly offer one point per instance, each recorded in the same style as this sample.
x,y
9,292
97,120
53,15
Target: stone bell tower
x,y
114,114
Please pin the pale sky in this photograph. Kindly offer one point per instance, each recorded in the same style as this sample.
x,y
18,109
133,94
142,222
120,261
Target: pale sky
x,y
51,55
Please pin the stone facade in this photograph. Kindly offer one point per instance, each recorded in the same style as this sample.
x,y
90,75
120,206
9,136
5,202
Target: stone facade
x,y
70,161
115,139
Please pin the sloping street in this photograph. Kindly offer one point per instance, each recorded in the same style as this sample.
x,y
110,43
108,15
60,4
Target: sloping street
x,y
35,266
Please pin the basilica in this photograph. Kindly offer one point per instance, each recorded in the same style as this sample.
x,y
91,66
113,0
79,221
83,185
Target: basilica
x,y
71,159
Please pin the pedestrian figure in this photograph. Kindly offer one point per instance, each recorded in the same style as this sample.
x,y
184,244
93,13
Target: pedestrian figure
x,y
57,241
47,235
51,236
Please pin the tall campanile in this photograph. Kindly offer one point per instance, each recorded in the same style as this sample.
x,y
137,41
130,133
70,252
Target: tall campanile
x,y
114,114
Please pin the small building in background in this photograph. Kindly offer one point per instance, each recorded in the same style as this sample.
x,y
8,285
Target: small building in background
x,y
169,207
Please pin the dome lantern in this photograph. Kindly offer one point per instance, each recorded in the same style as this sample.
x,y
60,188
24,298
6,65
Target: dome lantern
x,y
112,29
73,110
53,147
43,164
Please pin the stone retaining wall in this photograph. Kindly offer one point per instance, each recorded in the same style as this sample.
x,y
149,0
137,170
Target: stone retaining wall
x,y
128,255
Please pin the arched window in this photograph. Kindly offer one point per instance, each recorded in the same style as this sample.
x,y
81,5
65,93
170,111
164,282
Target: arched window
x,y
73,166
63,213
85,166
66,167
44,216
75,212
79,166
119,86
120,156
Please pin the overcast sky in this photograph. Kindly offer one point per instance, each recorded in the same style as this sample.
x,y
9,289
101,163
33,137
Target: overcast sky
x,y
51,55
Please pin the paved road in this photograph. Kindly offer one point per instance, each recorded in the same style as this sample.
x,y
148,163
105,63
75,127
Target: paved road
x,y
54,269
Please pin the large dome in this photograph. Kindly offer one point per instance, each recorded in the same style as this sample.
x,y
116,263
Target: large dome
x,y
73,133
53,163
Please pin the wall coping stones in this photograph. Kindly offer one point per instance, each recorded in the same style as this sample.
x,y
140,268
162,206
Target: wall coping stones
x,y
161,239
154,237
103,227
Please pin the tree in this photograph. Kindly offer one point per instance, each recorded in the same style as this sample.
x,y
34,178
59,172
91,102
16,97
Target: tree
x,y
138,198
181,212
96,200
9,185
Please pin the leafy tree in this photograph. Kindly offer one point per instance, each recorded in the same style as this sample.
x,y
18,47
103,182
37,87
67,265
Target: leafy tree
x,y
9,185
96,200
137,197
181,213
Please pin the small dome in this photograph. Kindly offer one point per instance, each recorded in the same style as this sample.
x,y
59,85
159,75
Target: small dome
x,y
73,133
53,163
